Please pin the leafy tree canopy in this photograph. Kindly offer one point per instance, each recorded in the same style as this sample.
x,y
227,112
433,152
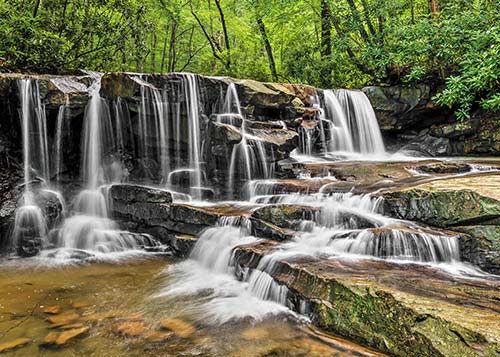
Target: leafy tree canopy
x,y
348,43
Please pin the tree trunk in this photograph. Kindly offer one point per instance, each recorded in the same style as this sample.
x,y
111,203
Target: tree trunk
x,y
37,6
171,48
226,34
164,53
368,21
357,19
434,8
153,54
326,31
269,49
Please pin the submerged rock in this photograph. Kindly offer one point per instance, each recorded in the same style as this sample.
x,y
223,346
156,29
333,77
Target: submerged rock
x,y
52,310
11,345
70,335
179,327
63,319
131,328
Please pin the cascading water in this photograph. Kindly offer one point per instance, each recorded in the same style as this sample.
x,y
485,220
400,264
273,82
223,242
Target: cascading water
x,y
90,228
248,157
347,125
210,269
30,228
172,115
163,129
363,124
333,120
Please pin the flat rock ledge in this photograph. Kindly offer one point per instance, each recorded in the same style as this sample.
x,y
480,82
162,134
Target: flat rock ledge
x,y
404,310
468,204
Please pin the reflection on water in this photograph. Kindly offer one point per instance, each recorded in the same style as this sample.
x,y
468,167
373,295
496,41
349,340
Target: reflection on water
x,y
107,309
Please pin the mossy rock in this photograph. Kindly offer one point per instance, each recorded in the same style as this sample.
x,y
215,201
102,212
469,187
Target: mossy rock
x,y
398,309
449,202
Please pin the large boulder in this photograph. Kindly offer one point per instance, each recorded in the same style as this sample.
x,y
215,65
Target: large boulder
x,y
224,134
278,143
427,146
448,202
480,245
406,106
264,95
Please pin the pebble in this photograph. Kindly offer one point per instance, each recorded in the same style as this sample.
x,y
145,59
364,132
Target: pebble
x,y
179,327
18,342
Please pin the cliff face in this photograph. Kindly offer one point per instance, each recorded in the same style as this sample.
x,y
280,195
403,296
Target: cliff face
x,y
412,121
236,143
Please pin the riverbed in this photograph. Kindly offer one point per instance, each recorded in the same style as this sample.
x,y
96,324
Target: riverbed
x,y
114,310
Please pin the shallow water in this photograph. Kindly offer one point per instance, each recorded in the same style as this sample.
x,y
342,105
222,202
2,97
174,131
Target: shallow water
x,y
104,296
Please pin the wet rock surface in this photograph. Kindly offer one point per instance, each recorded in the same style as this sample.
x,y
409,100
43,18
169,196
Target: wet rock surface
x,y
470,205
448,202
400,309
408,116
480,245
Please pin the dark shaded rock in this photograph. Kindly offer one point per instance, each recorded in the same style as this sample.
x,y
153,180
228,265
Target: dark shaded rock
x,y
278,143
203,193
480,245
263,229
130,193
406,106
453,130
51,205
427,145
444,168
285,216
183,245
224,134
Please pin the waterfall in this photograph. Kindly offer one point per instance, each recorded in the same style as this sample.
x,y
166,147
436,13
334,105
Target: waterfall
x,y
60,122
399,244
90,228
153,129
191,93
30,227
248,157
34,126
162,120
363,125
344,223
335,120
347,125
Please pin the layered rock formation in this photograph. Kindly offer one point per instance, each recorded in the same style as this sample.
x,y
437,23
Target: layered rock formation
x,y
413,122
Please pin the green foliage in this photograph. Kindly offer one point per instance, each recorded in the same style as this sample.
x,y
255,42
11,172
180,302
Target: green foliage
x,y
347,43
